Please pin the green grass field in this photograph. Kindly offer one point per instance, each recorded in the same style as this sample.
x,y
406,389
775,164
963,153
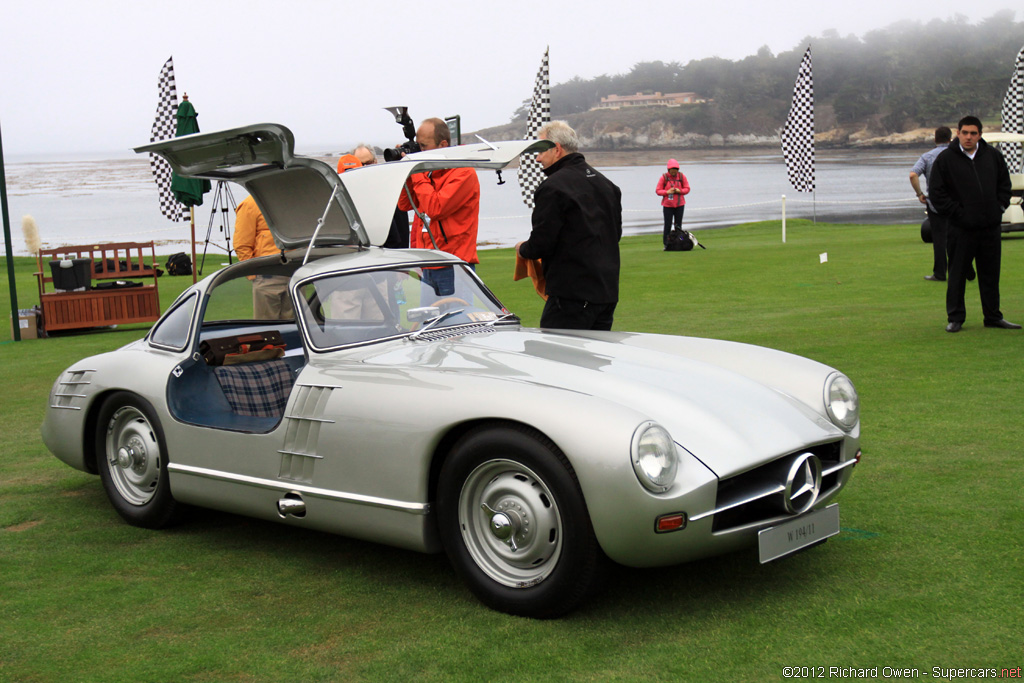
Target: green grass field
x,y
927,572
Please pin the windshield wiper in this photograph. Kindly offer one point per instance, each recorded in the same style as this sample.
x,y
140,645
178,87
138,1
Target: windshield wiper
x,y
433,322
502,319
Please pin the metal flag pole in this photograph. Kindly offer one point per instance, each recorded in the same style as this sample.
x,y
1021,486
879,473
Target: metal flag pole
x,y
192,221
15,322
783,219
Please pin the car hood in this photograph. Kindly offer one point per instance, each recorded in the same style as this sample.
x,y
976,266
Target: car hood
x,y
727,420
294,192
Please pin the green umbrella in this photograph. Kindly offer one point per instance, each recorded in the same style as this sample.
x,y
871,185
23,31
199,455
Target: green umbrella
x,y
188,191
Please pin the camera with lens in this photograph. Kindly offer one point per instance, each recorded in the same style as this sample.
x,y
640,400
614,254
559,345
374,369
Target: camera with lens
x,y
395,153
410,146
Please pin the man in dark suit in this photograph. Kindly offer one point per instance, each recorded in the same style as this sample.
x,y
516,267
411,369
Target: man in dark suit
x,y
970,186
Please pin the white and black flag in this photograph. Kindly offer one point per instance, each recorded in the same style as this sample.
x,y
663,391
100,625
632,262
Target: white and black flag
x,y
798,134
164,127
530,173
1013,114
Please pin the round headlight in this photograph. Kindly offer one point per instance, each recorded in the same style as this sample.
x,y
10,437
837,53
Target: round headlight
x,y
841,401
655,460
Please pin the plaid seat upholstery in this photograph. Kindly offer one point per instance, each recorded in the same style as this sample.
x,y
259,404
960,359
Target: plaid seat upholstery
x,y
257,389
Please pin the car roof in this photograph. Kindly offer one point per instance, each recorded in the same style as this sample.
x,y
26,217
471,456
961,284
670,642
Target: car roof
x,y
296,194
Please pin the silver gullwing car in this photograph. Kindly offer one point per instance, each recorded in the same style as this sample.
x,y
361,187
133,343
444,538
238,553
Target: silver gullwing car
x,y
392,410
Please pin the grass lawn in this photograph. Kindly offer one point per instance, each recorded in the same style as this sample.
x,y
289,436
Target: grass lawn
x,y
927,572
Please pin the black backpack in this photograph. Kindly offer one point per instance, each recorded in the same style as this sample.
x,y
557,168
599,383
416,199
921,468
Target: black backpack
x,y
179,264
680,240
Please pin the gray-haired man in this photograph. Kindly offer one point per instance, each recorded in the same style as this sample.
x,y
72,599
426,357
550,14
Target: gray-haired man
x,y
577,224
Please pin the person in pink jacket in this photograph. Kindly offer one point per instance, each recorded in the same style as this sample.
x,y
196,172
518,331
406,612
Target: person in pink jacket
x,y
672,188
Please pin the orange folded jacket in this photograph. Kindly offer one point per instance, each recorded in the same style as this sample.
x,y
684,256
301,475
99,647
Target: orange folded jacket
x,y
530,268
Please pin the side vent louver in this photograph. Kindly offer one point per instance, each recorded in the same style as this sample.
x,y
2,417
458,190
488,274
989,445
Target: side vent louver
x,y
70,390
302,435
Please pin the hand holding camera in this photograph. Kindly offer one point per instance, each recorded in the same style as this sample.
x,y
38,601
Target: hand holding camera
x,y
410,146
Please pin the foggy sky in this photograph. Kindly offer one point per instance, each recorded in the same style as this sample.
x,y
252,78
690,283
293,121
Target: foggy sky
x,y
80,77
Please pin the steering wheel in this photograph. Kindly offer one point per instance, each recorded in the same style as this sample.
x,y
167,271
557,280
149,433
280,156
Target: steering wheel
x,y
448,301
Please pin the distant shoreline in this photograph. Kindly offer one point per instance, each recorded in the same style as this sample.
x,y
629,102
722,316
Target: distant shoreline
x,y
657,157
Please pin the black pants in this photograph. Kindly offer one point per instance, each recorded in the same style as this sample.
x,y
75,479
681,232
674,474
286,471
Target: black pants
x,y
939,229
571,314
984,247
672,214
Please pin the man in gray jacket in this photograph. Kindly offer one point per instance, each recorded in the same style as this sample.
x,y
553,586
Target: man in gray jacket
x,y
970,186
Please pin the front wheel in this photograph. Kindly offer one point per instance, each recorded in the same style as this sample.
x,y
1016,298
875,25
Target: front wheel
x,y
515,525
133,462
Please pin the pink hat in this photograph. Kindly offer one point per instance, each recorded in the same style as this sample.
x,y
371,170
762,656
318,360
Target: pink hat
x,y
672,163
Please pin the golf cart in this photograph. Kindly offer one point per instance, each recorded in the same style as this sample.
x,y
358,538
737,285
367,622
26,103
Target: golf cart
x,y
1013,217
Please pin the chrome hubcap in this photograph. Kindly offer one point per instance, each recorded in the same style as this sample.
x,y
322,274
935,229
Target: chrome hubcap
x,y
502,526
510,523
133,455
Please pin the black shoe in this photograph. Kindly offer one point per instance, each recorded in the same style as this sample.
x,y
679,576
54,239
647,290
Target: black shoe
x,y
1002,324
934,279
954,327
971,275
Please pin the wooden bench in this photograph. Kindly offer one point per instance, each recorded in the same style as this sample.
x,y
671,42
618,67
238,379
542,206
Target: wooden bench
x,y
101,307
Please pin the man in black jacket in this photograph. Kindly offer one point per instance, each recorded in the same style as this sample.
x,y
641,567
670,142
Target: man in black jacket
x,y
972,189
577,224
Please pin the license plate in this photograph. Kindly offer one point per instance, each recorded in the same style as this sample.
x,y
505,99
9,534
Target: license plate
x,y
788,537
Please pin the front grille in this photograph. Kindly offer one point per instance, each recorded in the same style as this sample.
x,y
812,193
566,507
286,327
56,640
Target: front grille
x,y
770,507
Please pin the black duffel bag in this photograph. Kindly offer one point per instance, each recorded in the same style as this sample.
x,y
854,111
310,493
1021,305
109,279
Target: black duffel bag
x,y
179,264
680,240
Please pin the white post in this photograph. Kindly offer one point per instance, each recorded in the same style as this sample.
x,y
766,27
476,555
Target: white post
x,y
783,219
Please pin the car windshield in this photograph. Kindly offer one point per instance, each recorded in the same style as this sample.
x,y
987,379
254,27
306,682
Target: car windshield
x,y
366,306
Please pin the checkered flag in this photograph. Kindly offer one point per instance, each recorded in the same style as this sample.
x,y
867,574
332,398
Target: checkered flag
x,y
1013,114
530,173
164,127
798,134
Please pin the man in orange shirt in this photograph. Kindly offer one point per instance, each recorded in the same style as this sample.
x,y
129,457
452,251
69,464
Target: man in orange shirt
x,y
270,300
450,198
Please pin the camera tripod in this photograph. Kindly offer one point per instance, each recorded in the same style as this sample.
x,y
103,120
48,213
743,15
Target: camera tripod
x,y
222,199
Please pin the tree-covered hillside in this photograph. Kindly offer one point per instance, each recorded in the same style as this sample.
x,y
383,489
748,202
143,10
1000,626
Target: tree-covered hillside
x,y
905,76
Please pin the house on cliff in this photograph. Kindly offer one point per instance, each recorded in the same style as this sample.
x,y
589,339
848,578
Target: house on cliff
x,y
672,99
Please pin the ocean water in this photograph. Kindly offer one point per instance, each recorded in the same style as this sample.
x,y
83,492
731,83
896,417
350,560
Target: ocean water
x,y
112,200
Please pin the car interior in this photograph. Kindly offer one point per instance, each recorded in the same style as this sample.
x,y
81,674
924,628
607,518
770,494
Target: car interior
x,y
247,390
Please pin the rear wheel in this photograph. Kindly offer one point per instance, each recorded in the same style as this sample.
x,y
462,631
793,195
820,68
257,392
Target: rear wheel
x,y
133,462
515,525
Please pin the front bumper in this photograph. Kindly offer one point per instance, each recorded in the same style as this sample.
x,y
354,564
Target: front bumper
x,y
720,516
